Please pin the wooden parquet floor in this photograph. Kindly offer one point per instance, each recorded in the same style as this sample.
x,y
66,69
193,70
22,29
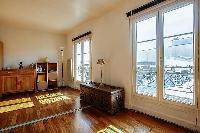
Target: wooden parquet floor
x,y
87,120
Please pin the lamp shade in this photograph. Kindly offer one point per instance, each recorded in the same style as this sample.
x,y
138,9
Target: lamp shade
x,y
101,61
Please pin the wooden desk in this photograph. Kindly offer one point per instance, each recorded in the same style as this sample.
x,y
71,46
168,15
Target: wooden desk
x,y
107,98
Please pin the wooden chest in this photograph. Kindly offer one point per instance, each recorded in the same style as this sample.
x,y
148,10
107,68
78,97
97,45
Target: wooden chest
x,y
107,98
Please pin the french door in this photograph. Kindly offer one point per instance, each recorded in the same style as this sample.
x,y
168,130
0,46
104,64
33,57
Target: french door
x,y
82,61
164,43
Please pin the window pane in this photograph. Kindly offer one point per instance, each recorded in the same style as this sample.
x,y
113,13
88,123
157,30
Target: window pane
x,y
86,52
178,56
78,68
146,29
86,61
78,62
78,48
86,46
146,68
179,69
178,21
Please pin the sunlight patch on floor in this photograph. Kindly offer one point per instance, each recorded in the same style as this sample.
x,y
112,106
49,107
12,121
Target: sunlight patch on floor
x,y
51,98
11,105
110,129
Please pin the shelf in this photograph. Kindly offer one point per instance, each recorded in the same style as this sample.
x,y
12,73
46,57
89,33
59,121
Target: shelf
x,y
49,71
41,81
41,72
52,80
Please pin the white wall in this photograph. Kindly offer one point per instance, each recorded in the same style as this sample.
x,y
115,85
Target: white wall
x,y
29,45
110,40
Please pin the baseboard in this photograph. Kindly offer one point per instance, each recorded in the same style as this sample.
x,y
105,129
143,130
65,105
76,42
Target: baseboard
x,y
197,129
127,106
170,119
70,85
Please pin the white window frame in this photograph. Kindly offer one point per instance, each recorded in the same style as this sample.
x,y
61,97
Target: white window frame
x,y
82,58
141,18
158,10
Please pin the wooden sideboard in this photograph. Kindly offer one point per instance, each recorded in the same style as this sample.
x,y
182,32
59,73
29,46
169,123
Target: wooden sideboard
x,y
1,55
107,98
18,80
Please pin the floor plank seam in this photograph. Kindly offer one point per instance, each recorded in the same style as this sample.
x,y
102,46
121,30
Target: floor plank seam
x,y
42,119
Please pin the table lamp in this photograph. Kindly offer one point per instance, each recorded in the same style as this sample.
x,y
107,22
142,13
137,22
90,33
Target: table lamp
x,y
101,62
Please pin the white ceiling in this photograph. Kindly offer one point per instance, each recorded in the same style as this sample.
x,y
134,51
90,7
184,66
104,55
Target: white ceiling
x,y
52,15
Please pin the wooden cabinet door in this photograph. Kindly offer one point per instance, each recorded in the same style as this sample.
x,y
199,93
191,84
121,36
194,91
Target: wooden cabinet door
x,y
1,85
1,55
26,82
10,83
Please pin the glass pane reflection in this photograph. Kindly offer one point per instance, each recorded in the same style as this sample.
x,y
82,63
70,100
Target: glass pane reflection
x,y
146,68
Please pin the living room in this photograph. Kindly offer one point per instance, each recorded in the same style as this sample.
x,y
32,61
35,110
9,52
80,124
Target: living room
x,y
99,66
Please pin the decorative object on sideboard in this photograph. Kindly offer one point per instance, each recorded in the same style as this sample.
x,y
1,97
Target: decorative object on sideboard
x,y
32,66
43,59
21,65
46,59
101,62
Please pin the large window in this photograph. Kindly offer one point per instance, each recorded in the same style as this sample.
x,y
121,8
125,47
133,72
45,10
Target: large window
x,y
167,37
82,60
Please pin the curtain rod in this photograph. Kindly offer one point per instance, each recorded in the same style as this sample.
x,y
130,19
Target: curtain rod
x,y
144,7
82,35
